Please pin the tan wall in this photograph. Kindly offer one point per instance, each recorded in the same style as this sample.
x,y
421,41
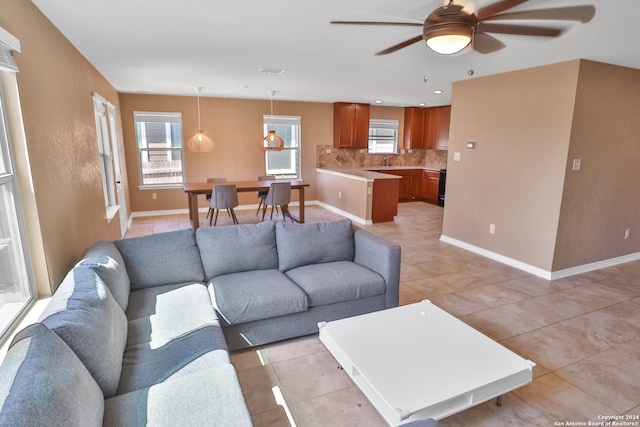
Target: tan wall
x,y
235,126
346,193
56,84
601,200
521,122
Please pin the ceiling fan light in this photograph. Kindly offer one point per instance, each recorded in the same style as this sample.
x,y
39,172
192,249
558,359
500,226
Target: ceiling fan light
x,y
448,44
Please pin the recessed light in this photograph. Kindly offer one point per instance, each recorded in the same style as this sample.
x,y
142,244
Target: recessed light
x,y
271,70
378,101
422,104
437,91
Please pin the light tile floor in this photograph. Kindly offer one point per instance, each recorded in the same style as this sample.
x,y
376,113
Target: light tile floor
x,y
583,332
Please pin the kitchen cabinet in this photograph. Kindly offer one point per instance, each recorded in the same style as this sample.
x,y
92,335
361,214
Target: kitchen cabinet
x,y
429,186
413,127
409,186
350,125
442,120
427,128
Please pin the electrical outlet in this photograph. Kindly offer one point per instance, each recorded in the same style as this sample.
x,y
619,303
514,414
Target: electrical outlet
x,y
492,229
154,196
456,156
328,151
339,194
627,233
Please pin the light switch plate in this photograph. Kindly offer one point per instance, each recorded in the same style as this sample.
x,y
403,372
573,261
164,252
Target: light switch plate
x,y
456,156
577,164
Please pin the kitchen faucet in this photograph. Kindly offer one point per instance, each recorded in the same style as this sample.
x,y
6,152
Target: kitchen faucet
x,y
384,160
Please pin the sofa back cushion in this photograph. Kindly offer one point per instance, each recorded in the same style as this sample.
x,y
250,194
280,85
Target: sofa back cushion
x,y
304,244
237,248
85,315
43,383
161,259
104,259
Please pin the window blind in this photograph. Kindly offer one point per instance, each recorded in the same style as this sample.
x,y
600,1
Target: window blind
x,y
7,44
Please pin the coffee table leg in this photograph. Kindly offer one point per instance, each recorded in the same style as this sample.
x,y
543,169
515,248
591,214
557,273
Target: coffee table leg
x,y
499,401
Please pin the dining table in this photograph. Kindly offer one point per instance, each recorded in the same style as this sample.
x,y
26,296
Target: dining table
x,y
193,189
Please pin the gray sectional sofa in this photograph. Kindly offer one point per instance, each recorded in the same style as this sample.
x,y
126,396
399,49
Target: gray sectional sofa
x,y
139,332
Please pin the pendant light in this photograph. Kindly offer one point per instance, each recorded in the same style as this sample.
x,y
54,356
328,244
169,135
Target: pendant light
x,y
272,142
200,143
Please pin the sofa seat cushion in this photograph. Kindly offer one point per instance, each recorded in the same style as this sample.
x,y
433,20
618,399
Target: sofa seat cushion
x,y
314,243
339,281
171,300
254,295
161,259
173,331
43,383
105,259
247,247
87,317
211,397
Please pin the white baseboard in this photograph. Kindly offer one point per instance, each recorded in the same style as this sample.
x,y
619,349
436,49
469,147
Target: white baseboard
x,y
344,213
572,271
536,271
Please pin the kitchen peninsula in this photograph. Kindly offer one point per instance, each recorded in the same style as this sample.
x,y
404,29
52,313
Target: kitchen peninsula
x,y
371,194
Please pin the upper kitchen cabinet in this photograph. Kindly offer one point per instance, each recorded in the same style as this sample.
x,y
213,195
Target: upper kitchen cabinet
x,y
413,127
350,125
442,120
427,128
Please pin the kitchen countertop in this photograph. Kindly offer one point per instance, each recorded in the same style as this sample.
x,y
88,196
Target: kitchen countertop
x,y
370,173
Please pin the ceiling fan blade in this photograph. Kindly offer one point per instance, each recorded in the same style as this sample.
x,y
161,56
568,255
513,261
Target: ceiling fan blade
x,y
397,24
494,9
400,45
520,30
571,13
484,43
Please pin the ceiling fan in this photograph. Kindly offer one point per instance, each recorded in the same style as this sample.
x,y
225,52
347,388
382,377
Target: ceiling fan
x,y
451,28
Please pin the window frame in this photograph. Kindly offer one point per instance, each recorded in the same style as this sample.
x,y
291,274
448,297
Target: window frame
x,y
106,155
16,227
168,118
382,124
294,147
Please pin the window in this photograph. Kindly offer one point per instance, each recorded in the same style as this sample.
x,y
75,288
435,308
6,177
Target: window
x,y
106,153
383,136
16,280
159,137
285,163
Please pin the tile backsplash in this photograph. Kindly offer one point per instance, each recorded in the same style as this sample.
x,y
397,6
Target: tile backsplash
x,y
349,158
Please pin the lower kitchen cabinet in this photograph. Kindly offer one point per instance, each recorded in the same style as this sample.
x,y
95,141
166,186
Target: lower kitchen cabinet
x,y
409,186
417,184
429,186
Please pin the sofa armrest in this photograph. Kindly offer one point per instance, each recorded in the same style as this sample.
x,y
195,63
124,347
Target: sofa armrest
x,y
381,256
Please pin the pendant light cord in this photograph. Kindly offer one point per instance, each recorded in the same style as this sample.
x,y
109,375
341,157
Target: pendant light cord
x,y
199,128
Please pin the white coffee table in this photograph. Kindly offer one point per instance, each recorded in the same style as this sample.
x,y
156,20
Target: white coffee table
x,y
418,361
